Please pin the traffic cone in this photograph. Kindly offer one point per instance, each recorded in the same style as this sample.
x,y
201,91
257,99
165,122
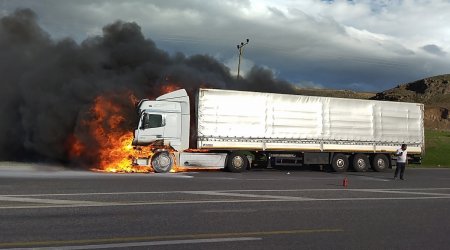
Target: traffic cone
x,y
345,182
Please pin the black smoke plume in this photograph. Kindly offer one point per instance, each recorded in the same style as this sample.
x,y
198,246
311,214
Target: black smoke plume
x,y
47,86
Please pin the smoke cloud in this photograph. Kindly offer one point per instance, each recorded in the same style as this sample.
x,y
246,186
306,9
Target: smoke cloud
x,y
48,87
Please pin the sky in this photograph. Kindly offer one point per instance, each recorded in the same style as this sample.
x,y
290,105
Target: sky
x,y
357,45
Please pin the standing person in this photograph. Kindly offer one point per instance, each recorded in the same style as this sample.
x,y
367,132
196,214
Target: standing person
x,y
401,161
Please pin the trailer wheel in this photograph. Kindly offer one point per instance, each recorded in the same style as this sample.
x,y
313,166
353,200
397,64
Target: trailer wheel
x,y
380,162
162,162
237,162
340,163
361,163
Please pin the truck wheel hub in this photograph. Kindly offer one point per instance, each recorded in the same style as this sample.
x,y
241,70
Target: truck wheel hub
x,y
162,163
238,161
361,163
340,163
163,160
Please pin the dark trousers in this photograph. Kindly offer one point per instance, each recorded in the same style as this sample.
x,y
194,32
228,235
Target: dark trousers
x,y
401,168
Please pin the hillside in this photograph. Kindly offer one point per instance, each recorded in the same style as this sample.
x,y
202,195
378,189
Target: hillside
x,y
434,92
335,93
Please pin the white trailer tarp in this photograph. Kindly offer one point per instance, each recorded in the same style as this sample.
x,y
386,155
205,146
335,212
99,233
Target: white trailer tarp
x,y
239,116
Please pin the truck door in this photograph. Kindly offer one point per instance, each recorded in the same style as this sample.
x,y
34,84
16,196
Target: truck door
x,y
150,128
172,129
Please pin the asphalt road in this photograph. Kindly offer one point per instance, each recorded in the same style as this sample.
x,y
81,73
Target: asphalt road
x,y
52,208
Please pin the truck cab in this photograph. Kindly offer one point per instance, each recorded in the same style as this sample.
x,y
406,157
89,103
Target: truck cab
x,y
165,120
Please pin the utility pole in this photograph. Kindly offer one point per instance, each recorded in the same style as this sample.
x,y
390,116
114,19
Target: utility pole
x,y
240,47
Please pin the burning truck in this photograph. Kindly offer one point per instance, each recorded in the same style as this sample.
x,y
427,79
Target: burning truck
x,y
236,130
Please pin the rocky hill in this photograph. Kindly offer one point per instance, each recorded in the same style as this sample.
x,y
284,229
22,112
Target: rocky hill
x,y
335,93
434,92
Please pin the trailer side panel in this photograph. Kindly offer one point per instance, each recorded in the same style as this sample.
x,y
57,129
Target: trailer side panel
x,y
265,121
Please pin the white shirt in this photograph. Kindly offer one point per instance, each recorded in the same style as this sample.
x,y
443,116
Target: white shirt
x,y
401,158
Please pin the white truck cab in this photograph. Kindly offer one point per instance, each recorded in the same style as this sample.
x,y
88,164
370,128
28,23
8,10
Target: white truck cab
x,y
165,119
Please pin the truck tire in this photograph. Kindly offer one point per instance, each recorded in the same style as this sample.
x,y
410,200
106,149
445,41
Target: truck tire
x,y
361,162
340,163
237,162
162,162
380,163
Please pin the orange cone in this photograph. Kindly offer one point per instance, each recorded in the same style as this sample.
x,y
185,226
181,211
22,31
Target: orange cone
x,y
345,182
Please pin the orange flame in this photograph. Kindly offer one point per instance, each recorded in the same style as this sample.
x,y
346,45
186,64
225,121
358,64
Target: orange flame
x,y
110,140
169,88
107,127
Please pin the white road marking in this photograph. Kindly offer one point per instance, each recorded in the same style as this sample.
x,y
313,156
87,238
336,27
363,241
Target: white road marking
x,y
399,192
48,201
141,244
229,190
221,201
247,195
228,211
420,194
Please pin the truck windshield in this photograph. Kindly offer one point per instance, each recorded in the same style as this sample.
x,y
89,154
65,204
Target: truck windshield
x,y
151,121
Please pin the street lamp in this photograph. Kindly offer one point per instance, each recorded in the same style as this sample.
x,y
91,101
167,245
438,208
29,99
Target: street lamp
x,y
240,47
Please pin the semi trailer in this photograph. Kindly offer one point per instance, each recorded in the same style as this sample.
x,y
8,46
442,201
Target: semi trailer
x,y
237,130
